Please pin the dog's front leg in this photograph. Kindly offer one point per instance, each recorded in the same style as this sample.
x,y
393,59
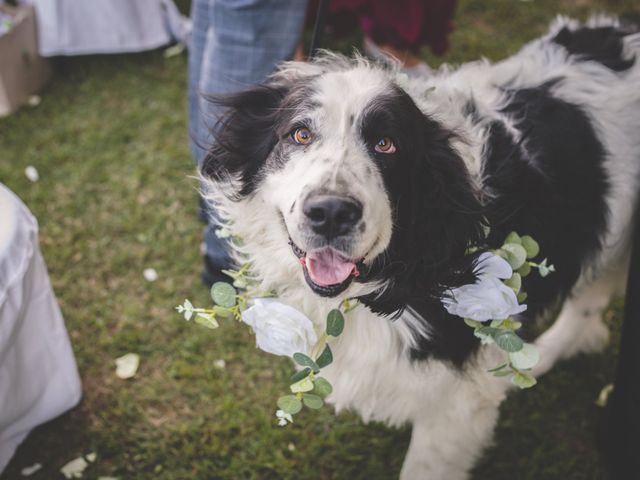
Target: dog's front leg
x,y
445,444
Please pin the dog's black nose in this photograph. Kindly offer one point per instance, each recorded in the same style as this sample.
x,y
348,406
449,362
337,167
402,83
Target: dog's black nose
x,y
332,215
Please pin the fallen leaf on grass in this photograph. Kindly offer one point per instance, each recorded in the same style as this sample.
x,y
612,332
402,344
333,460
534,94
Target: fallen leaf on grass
x,y
34,100
28,471
603,397
127,365
174,50
76,467
150,274
32,173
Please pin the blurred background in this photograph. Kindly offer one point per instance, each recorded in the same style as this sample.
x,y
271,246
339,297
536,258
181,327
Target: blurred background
x,y
117,208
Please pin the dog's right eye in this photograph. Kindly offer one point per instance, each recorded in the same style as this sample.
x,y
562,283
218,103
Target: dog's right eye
x,y
385,145
302,136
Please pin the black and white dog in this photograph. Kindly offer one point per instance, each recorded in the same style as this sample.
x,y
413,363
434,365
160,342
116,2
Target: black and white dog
x,y
346,179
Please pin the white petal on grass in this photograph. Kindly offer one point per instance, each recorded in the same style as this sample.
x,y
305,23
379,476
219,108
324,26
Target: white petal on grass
x,y
127,365
75,468
150,274
34,100
291,447
28,471
603,397
221,364
32,173
173,50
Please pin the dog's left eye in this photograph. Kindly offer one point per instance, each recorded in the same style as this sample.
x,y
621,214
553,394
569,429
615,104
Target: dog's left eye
x,y
385,145
302,136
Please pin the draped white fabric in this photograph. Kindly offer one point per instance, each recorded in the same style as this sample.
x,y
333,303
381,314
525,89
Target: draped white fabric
x,y
38,375
79,27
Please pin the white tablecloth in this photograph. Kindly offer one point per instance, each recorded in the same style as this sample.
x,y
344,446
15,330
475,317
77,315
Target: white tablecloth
x,y
80,27
38,375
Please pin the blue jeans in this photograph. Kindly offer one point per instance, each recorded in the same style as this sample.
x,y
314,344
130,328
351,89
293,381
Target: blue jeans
x,y
235,44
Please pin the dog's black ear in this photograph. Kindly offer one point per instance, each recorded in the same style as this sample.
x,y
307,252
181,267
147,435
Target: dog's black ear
x,y
244,136
447,216
437,217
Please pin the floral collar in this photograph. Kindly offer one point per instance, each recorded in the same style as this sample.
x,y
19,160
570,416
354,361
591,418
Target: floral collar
x,y
487,305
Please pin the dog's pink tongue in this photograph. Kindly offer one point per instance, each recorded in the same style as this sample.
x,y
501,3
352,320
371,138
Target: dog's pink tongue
x,y
326,267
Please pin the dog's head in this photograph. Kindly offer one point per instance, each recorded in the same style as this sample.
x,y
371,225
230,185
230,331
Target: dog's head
x,y
363,191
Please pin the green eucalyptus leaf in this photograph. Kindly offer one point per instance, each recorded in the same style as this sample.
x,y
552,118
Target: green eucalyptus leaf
x,y
304,373
222,311
508,341
516,253
473,323
290,404
240,283
304,385
325,358
322,387
499,367
502,253
206,320
523,380
513,237
488,331
312,401
525,269
526,358
531,246
335,323
223,294
515,282
486,334
510,324
305,361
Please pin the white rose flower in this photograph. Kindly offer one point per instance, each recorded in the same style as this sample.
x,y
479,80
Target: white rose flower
x,y
279,328
488,298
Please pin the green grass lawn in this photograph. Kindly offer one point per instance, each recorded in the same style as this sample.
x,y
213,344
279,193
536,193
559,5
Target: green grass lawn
x,y
110,142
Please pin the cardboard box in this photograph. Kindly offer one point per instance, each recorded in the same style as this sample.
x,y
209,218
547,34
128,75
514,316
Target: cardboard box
x,y
22,70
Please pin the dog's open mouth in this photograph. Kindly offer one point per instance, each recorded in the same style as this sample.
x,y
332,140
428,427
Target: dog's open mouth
x,y
327,271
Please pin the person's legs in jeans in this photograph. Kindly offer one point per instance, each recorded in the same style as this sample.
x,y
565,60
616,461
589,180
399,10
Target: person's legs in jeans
x,y
236,44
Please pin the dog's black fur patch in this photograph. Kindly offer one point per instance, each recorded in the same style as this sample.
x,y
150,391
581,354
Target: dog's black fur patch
x,y
245,136
599,44
437,216
550,185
